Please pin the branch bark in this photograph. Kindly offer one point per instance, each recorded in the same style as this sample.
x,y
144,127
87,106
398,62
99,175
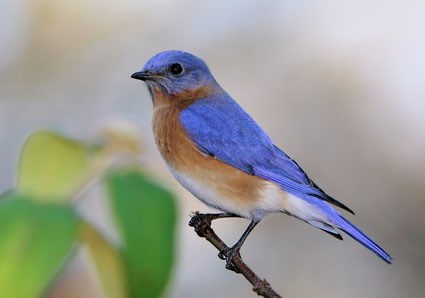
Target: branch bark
x,y
202,225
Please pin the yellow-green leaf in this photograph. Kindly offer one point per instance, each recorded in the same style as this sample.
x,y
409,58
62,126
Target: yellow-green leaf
x,y
51,166
107,260
35,241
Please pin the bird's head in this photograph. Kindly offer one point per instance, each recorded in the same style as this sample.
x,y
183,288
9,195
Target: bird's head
x,y
177,75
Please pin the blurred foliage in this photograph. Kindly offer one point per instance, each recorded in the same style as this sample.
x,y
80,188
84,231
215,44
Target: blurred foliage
x,y
107,260
145,226
29,258
51,166
39,228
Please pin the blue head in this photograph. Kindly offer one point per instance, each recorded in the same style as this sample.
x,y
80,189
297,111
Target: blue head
x,y
176,72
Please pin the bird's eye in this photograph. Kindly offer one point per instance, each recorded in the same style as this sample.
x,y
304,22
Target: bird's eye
x,y
176,69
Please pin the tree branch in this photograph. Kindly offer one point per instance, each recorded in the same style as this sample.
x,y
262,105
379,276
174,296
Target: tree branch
x,y
202,226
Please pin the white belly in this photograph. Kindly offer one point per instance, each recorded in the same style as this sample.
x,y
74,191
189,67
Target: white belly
x,y
270,200
206,193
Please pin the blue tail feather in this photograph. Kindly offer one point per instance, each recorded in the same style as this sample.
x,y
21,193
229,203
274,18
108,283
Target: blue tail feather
x,y
358,235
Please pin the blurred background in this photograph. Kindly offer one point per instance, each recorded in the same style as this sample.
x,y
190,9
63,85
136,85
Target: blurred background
x,y
338,85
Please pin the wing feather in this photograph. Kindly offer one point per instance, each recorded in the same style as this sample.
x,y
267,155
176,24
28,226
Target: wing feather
x,y
221,128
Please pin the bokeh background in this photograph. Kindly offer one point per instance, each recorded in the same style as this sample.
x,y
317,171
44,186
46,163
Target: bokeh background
x,y
338,85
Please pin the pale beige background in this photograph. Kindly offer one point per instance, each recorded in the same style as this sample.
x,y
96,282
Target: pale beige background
x,y
338,85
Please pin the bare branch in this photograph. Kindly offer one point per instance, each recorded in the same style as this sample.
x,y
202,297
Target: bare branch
x,y
202,226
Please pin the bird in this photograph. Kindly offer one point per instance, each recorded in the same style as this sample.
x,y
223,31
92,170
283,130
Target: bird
x,y
217,151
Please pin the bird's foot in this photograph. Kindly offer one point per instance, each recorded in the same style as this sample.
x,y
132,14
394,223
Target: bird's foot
x,y
229,254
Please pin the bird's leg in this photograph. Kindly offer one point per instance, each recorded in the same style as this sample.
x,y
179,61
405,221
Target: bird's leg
x,y
228,253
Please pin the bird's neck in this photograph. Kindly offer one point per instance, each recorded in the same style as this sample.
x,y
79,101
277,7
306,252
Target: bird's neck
x,y
183,99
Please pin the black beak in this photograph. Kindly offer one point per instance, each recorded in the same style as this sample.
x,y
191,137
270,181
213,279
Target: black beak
x,y
142,75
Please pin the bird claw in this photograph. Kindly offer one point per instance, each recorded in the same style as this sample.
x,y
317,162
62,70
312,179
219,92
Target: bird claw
x,y
228,254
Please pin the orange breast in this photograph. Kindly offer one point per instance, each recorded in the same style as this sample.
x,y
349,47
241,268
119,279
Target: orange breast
x,y
231,185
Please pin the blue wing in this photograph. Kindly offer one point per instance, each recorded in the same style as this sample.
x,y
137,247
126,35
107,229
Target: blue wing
x,y
221,128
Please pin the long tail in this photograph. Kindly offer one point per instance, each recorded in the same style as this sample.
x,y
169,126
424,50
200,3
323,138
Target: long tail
x,y
358,235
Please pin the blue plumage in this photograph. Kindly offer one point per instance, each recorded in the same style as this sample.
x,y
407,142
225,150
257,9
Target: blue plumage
x,y
221,128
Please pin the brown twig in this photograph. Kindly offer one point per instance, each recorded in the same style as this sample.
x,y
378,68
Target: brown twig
x,y
202,226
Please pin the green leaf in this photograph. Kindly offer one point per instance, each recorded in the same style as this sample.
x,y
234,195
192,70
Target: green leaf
x,y
51,166
35,242
107,260
146,216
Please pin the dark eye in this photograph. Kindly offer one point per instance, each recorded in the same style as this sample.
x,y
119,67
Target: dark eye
x,y
176,69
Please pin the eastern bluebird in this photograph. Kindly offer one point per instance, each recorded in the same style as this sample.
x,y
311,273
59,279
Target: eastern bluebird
x,y
221,155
